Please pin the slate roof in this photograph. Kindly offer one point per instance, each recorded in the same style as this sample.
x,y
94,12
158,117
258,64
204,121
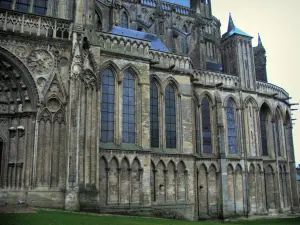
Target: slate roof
x,y
156,43
232,29
236,30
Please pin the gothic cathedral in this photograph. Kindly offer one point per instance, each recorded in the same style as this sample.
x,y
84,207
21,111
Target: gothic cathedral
x,y
140,107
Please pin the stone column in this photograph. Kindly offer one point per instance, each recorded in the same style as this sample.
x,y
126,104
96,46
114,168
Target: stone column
x,y
72,189
223,162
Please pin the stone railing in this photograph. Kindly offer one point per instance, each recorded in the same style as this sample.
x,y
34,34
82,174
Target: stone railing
x,y
151,3
122,45
32,24
167,6
212,78
270,89
166,60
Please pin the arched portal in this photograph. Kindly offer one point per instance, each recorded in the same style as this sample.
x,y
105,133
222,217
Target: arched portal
x,y
18,108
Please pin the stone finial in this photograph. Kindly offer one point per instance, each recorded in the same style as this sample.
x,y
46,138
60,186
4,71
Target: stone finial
x,y
259,40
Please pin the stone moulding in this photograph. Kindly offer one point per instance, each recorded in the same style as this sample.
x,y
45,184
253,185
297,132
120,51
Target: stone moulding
x,y
267,88
122,45
167,60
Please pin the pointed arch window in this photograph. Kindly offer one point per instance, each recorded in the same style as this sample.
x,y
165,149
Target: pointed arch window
x,y
170,114
6,4
154,115
128,108
124,20
231,127
40,7
263,116
23,5
107,106
206,126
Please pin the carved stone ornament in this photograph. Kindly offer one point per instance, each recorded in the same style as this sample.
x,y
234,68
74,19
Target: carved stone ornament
x,y
53,105
40,62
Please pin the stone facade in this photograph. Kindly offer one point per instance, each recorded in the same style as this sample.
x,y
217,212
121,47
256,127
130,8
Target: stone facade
x,y
180,124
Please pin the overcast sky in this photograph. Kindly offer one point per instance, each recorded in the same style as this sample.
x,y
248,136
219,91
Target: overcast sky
x,y
278,23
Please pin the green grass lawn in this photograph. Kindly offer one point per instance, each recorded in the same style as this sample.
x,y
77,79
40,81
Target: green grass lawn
x,y
66,218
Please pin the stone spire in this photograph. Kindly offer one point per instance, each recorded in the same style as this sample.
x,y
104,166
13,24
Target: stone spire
x,y
231,25
259,41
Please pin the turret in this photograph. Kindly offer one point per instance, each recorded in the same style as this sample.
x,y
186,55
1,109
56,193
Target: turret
x,y
260,61
237,55
201,6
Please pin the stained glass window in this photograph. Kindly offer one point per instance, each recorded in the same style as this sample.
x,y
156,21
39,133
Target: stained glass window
x,y
206,126
231,127
263,115
40,7
22,5
6,4
154,116
107,106
124,20
170,113
128,108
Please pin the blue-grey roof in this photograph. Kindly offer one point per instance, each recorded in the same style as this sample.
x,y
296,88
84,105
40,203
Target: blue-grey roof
x,y
298,177
156,43
213,66
234,31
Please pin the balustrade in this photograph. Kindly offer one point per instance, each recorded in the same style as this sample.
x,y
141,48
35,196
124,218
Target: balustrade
x,y
32,24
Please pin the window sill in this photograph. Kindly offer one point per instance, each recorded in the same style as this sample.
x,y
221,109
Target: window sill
x,y
123,146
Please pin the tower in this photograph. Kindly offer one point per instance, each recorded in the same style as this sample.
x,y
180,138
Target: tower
x,y
237,55
260,61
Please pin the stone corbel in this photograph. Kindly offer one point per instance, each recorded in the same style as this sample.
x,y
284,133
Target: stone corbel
x,y
12,132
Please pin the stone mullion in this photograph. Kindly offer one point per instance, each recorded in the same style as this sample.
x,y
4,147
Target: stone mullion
x,y
179,124
176,184
16,140
31,5
144,110
97,137
87,136
119,114
81,169
62,153
5,159
186,185
47,151
94,150
141,185
276,175
119,169
26,149
154,185
165,183
288,188
234,189
55,158
108,200
207,192
52,151
163,121
40,152
129,171
28,158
